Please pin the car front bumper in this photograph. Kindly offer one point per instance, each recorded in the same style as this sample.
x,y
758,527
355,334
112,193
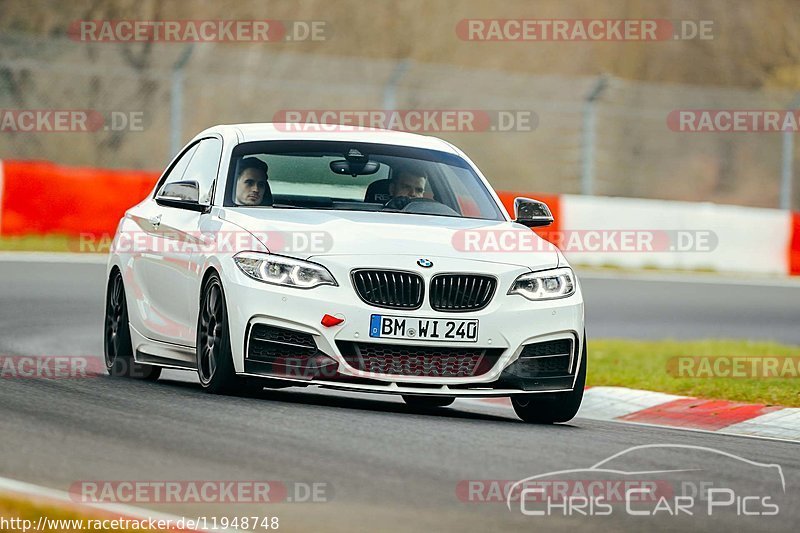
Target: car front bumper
x,y
506,326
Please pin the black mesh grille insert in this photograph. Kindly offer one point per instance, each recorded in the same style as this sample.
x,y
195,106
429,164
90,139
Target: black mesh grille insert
x,y
268,343
542,367
461,292
428,361
388,288
559,347
545,359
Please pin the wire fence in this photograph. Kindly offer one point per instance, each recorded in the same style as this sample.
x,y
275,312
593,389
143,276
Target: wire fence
x,y
553,134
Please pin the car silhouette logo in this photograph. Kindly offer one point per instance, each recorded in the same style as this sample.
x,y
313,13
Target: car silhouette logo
x,y
425,263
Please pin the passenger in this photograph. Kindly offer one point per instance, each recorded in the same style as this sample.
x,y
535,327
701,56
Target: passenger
x,y
251,182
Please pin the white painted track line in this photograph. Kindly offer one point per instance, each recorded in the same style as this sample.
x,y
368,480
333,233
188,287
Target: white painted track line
x,y
28,489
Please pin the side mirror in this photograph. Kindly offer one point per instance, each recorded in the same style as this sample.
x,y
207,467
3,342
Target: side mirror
x,y
183,195
532,213
188,191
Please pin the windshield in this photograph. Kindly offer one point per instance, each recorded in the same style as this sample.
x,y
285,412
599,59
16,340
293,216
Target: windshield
x,y
356,176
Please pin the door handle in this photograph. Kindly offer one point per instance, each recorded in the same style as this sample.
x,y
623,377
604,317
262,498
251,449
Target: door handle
x,y
155,221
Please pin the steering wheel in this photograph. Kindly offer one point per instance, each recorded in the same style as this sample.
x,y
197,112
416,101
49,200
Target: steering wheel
x,y
401,202
421,206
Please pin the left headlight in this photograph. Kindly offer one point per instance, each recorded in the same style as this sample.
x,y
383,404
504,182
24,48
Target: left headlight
x,y
285,271
546,285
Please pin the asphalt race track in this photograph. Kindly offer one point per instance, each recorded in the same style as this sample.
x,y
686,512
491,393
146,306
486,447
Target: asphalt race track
x,y
384,466
686,307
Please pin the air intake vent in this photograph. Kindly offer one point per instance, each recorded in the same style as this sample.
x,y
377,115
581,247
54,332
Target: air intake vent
x,y
270,343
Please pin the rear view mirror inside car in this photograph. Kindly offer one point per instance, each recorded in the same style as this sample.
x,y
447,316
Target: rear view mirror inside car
x,y
355,167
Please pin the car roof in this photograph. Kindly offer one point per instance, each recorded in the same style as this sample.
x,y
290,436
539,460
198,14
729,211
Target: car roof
x,y
273,131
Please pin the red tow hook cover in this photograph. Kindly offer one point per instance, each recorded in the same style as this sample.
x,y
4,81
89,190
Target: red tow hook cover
x,y
329,321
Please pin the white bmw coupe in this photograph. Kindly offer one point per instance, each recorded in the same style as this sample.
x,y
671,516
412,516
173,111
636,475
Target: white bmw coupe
x,y
357,259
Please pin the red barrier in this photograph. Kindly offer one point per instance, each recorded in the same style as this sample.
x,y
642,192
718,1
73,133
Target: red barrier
x,y
794,246
41,197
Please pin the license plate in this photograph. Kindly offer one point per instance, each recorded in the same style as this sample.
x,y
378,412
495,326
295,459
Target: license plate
x,y
421,329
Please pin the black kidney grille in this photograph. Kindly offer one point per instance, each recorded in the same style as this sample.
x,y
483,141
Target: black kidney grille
x,y
461,292
389,288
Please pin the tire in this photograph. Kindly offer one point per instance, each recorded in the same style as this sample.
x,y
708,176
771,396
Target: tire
x,y
554,407
214,359
427,402
117,346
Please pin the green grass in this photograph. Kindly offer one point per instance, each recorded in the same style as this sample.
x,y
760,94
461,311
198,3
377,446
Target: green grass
x,y
56,243
646,365
39,243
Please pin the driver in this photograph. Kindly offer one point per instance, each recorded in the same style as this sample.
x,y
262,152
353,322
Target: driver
x,y
407,182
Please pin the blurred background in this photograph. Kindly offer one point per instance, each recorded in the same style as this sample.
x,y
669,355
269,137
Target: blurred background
x,y
602,107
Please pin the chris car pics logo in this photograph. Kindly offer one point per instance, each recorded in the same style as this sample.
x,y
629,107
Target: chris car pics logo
x,y
664,480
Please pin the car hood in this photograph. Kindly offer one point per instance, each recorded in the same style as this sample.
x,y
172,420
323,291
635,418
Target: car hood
x,y
305,233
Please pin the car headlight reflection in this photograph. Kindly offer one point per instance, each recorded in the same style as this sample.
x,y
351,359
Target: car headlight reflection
x,y
547,285
281,270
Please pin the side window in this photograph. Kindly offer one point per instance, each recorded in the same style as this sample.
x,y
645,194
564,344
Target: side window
x,y
176,173
203,167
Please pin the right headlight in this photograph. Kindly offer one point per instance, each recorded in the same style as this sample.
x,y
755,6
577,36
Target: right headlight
x,y
281,270
545,285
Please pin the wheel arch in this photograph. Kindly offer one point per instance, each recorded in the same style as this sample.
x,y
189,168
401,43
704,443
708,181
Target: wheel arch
x,y
206,275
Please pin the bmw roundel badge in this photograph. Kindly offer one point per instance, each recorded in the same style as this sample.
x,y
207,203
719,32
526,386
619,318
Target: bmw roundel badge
x,y
425,263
